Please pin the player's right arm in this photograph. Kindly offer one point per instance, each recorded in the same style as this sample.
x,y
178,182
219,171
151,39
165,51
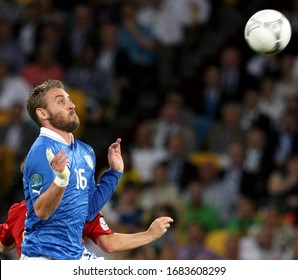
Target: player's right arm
x,y
50,199
100,233
117,242
45,179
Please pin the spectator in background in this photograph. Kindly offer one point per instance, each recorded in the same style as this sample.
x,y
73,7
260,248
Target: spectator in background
x,y
291,105
126,214
44,67
255,143
286,83
16,138
144,155
251,115
178,167
14,89
193,248
283,185
159,17
159,190
27,28
226,130
10,10
259,247
52,32
260,66
233,76
170,121
244,218
269,104
209,99
18,134
283,140
114,63
103,11
194,209
231,247
179,98
256,164
168,252
279,232
9,47
191,12
292,252
216,193
50,9
110,58
233,174
95,83
139,43
82,29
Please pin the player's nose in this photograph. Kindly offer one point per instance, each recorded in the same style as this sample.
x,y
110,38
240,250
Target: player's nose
x,y
71,105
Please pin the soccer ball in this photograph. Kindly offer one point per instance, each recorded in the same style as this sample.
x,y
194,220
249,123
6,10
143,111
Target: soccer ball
x,y
267,32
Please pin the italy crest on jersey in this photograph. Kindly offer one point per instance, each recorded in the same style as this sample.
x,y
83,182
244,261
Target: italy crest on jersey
x,y
89,161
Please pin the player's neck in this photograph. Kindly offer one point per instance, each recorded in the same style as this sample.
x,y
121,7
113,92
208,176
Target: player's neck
x,y
65,135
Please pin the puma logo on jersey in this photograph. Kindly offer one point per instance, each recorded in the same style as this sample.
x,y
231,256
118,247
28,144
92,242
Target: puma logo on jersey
x,y
36,191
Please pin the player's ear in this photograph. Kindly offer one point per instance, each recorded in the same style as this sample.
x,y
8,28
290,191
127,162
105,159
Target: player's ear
x,y
42,113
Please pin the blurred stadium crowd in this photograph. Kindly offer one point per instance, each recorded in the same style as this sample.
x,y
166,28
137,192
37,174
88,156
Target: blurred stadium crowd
x,y
209,128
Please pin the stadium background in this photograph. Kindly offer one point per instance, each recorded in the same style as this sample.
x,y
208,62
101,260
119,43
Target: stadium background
x,y
208,128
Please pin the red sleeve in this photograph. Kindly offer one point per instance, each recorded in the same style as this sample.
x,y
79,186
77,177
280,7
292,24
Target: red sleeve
x,y
6,237
96,227
13,228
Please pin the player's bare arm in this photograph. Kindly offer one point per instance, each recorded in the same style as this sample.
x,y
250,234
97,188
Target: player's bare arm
x,y
48,201
117,242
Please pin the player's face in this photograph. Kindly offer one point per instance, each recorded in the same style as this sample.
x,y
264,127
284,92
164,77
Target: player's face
x,y
61,110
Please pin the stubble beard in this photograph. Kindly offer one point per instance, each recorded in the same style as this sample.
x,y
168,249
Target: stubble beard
x,y
60,122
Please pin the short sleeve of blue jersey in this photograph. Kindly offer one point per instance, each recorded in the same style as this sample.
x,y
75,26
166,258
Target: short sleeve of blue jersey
x,y
38,174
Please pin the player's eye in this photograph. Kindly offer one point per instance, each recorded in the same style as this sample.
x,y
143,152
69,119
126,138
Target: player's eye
x,y
61,101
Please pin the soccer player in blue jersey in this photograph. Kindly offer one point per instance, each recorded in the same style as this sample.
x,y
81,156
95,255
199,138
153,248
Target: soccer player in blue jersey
x,y
59,185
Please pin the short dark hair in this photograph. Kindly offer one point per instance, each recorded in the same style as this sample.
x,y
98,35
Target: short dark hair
x,y
36,98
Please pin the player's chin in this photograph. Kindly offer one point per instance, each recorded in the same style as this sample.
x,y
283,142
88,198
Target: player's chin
x,y
73,127
73,124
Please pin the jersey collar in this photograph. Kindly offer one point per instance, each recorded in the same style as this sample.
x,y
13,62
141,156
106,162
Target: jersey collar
x,y
55,136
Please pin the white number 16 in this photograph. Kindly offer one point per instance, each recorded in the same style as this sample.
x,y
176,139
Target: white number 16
x,y
81,180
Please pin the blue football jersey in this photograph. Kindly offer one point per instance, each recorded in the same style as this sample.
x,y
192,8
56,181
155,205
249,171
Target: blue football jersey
x,y
60,236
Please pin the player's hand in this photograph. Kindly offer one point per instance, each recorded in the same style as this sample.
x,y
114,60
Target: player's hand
x,y
159,227
114,156
59,165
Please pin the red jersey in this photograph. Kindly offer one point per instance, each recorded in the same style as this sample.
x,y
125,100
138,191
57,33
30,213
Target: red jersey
x,y
13,228
11,231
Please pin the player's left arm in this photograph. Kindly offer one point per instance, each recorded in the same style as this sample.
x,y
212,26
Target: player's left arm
x,y
114,156
108,180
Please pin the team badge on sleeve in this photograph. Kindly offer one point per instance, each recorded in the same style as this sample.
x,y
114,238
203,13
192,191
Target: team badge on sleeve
x,y
103,223
36,182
